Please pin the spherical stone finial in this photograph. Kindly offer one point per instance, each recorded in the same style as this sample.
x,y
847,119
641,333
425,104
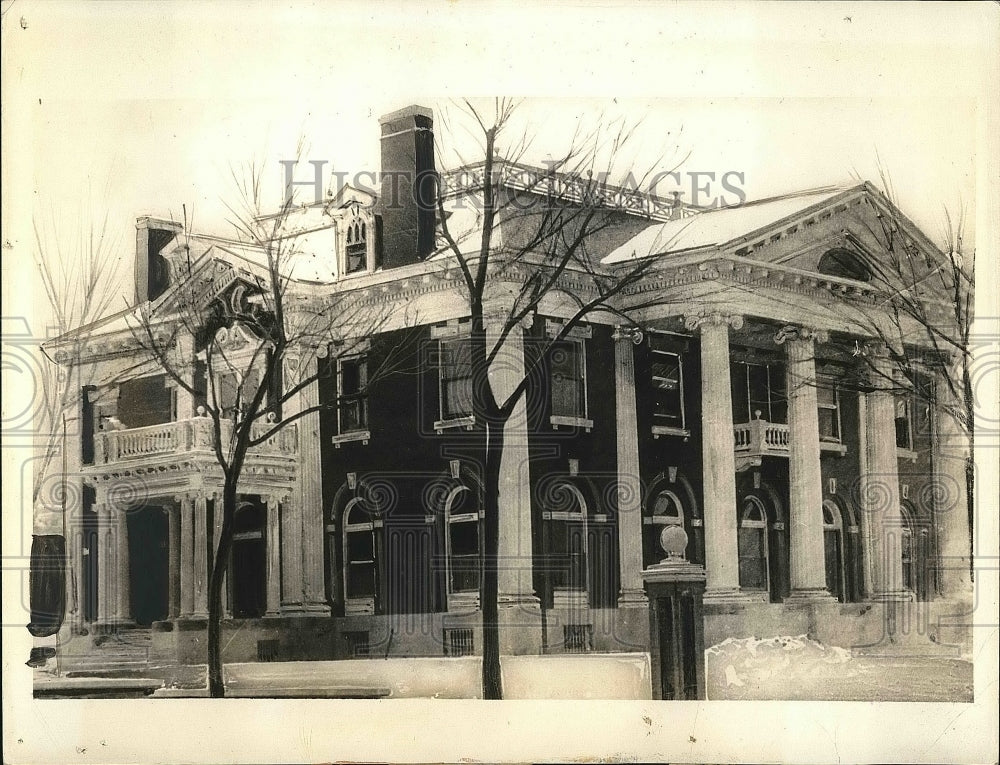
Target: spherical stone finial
x,y
674,540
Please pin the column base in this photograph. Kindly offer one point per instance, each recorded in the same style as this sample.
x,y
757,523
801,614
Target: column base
x,y
731,596
633,599
895,596
810,595
305,609
519,618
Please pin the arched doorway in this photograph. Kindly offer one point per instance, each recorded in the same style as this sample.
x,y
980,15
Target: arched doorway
x,y
148,563
754,551
833,550
913,550
248,562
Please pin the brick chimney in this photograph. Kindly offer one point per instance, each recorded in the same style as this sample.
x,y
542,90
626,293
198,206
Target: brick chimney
x,y
152,276
408,199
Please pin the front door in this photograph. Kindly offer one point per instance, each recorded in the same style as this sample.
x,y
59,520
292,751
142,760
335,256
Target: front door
x,y
148,563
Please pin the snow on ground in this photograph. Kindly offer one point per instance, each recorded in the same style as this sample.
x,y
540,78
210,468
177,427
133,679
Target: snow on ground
x,y
797,667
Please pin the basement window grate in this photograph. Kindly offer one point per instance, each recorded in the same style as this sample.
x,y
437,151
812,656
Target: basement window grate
x,y
459,642
267,650
578,638
357,644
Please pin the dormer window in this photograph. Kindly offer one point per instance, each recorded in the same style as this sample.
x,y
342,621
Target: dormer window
x,y
357,245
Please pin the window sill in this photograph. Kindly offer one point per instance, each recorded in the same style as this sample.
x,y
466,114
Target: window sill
x,y
667,430
833,448
571,422
458,422
906,454
355,435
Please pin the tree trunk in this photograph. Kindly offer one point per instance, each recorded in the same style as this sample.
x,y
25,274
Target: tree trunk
x,y
969,400
219,556
492,682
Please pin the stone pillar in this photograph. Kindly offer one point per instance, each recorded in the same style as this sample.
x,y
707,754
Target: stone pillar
x,y
950,449
273,542
123,604
518,605
515,568
629,483
106,567
718,457
302,575
217,517
806,554
200,557
880,484
173,562
184,360
187,570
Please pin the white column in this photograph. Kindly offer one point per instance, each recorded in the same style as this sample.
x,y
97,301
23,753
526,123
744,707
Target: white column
x,y
806,553
217,517
302,576
173,562
950,449
184,359
273,542
629,484
200,556
722,574
106,568
123,604
187,570
880,484
515,549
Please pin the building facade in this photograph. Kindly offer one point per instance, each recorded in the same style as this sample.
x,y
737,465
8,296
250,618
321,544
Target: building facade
x,y
727,453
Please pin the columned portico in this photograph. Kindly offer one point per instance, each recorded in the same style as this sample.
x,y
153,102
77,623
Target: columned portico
x,y
805,482
718,458
880,483
630,566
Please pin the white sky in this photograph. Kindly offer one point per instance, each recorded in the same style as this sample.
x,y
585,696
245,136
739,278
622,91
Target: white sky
x,y
142,109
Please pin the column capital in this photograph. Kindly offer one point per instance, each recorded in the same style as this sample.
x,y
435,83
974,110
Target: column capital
x,y
715,318
792,332
494,315
628,332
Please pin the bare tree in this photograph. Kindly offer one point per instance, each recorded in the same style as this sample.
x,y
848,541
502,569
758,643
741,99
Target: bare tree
x,y
290,331
550,223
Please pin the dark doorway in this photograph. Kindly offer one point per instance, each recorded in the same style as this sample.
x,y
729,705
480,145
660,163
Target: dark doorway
x,y
144,401
148,564
87,584
248,564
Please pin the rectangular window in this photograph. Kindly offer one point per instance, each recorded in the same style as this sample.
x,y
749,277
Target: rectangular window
x,y
758,391
459,642
828,404
578,638
668,388
567,379
455,370
352,389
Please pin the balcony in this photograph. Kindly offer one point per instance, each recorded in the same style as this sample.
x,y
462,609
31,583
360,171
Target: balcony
x,y
180,456
761,438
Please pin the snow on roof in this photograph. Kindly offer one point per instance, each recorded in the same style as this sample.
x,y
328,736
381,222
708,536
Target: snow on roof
x,y
716,227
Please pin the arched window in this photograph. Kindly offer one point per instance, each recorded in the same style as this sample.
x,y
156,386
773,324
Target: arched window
x,y
462,521
845,264
357,245
908,550
567,540
753,549
248,561
670,502
361,547
833,550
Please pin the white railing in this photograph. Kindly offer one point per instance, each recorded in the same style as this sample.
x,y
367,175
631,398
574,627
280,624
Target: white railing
x,y
760,437
195,434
